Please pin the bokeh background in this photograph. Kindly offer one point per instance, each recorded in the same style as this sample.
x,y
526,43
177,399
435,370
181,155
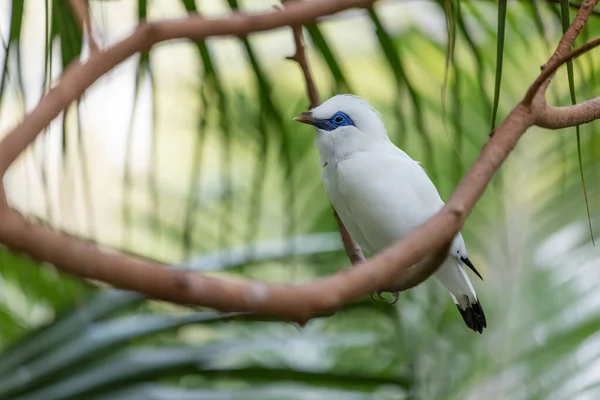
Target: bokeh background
x,y
189,155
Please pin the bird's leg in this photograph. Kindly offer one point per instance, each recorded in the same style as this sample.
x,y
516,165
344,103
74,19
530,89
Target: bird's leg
x,y
396,297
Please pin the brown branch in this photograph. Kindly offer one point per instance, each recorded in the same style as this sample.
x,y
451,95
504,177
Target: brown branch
x,y
287,302
416,274
353,250
82,12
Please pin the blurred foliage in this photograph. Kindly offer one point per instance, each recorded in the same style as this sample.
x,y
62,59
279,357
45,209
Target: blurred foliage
x,y
229,185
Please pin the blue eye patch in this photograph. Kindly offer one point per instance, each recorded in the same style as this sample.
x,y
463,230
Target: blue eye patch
x,y
338,119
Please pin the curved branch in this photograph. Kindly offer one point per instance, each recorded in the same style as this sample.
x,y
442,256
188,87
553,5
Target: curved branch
x,y
79,76
287,302
418,273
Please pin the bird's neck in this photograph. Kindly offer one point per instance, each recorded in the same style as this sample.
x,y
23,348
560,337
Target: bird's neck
x,y
332,150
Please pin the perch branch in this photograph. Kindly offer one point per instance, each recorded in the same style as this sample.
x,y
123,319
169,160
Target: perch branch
x,y
286,302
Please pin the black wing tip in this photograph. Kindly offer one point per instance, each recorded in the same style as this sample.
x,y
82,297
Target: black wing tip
x,y
469,264
474,317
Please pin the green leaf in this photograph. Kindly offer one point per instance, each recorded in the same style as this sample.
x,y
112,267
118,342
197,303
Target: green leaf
x,y
65,328
499,59
16,22
395,65
143,364
330,58
96,339
450,13
566,21
267,392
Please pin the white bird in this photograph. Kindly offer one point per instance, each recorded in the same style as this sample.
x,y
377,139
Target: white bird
x,y
380,193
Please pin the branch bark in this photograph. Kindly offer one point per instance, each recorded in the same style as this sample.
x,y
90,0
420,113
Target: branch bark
x,y
286,302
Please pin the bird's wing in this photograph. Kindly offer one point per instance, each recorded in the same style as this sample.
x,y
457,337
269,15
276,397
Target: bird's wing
x,y
386,195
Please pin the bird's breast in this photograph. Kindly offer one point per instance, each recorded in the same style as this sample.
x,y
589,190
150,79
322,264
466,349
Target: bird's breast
x,y
377,199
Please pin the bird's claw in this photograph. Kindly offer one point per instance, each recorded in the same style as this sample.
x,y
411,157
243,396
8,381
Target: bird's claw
x,y
378,292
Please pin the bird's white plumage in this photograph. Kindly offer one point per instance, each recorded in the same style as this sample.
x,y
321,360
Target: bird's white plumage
x,y
379,192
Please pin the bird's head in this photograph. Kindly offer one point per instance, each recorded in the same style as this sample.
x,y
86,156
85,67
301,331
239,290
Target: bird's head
x,y
345,124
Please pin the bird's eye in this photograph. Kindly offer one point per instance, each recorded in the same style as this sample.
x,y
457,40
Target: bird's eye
x,y
338,120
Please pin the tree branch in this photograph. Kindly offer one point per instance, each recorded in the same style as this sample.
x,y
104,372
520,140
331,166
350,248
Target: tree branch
x,y
286,302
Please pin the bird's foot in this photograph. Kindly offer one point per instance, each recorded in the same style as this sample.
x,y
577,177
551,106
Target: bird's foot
x,y
378,292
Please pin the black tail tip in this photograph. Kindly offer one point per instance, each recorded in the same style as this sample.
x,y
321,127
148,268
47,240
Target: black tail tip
x,y
474,317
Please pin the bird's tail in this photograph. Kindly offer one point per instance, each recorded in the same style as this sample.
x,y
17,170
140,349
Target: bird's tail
x,y
455,278
473,315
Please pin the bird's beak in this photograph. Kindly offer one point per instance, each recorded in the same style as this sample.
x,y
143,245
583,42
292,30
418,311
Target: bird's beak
x,y
305,118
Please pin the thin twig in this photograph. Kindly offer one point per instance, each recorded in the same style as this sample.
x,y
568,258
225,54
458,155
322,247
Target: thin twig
x,y
564,46
353,250
82,12
300,57
573,4
550,69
